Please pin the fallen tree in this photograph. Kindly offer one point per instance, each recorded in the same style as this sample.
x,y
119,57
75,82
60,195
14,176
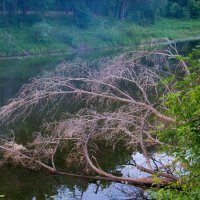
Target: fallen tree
x,y
123,101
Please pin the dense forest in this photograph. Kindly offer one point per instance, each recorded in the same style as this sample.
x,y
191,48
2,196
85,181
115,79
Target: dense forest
x,y
31,27
138,10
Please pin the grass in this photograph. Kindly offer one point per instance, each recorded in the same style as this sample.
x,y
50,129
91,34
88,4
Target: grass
x,y
53,34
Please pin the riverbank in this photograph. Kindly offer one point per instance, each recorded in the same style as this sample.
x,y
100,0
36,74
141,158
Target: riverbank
x,y
57,36
26,55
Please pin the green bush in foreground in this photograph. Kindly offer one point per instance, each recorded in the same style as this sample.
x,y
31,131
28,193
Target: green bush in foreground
x,y
184,106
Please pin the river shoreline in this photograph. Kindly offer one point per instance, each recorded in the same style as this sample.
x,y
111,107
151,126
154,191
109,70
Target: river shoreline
x,y
26,54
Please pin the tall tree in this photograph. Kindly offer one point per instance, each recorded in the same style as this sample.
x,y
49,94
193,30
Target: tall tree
x,y
4,7
194,8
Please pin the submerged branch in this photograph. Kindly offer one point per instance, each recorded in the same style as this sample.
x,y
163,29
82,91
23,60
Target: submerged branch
x,y
135,181
127,89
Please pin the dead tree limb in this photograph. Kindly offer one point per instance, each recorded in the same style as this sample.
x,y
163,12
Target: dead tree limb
x,y
134,81
137,181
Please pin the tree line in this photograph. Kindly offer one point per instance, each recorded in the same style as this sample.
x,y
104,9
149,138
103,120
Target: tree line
x,y
145,10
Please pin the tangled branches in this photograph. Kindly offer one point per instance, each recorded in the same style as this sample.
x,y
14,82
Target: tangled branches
x,y
127,89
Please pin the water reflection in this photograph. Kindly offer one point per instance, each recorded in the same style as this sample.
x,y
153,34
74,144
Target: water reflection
x,y
17,183
15,73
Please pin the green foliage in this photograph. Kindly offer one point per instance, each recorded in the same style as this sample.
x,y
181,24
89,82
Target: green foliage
x,y
41,32
175,10
7,41
65,37
82,16
184,106
58,34
141,11
176,194
194,8
71,23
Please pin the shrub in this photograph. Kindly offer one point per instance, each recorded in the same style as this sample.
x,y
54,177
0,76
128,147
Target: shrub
x,y
175,10
194,8
82,16
7,41
65,37
41,32
184,106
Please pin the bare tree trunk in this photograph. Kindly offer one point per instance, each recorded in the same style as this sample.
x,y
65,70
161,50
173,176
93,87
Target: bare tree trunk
x,y
14,153
136,181
123,9
4,7
24,8
15,7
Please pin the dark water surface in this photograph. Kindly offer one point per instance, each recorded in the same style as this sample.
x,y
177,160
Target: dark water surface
x,y
21,184
17,183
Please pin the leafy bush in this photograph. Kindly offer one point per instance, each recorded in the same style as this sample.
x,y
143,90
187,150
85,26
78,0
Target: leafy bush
x,y
41,32
82,16
184,106
194,8
175,10
65,37
7,41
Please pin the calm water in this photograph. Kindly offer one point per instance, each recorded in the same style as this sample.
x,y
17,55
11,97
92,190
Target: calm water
x,y
21,184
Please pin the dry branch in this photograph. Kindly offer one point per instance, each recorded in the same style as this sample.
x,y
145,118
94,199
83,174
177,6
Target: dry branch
x,y
133,82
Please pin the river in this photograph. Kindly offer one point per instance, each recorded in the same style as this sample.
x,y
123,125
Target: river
x,y
17,183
